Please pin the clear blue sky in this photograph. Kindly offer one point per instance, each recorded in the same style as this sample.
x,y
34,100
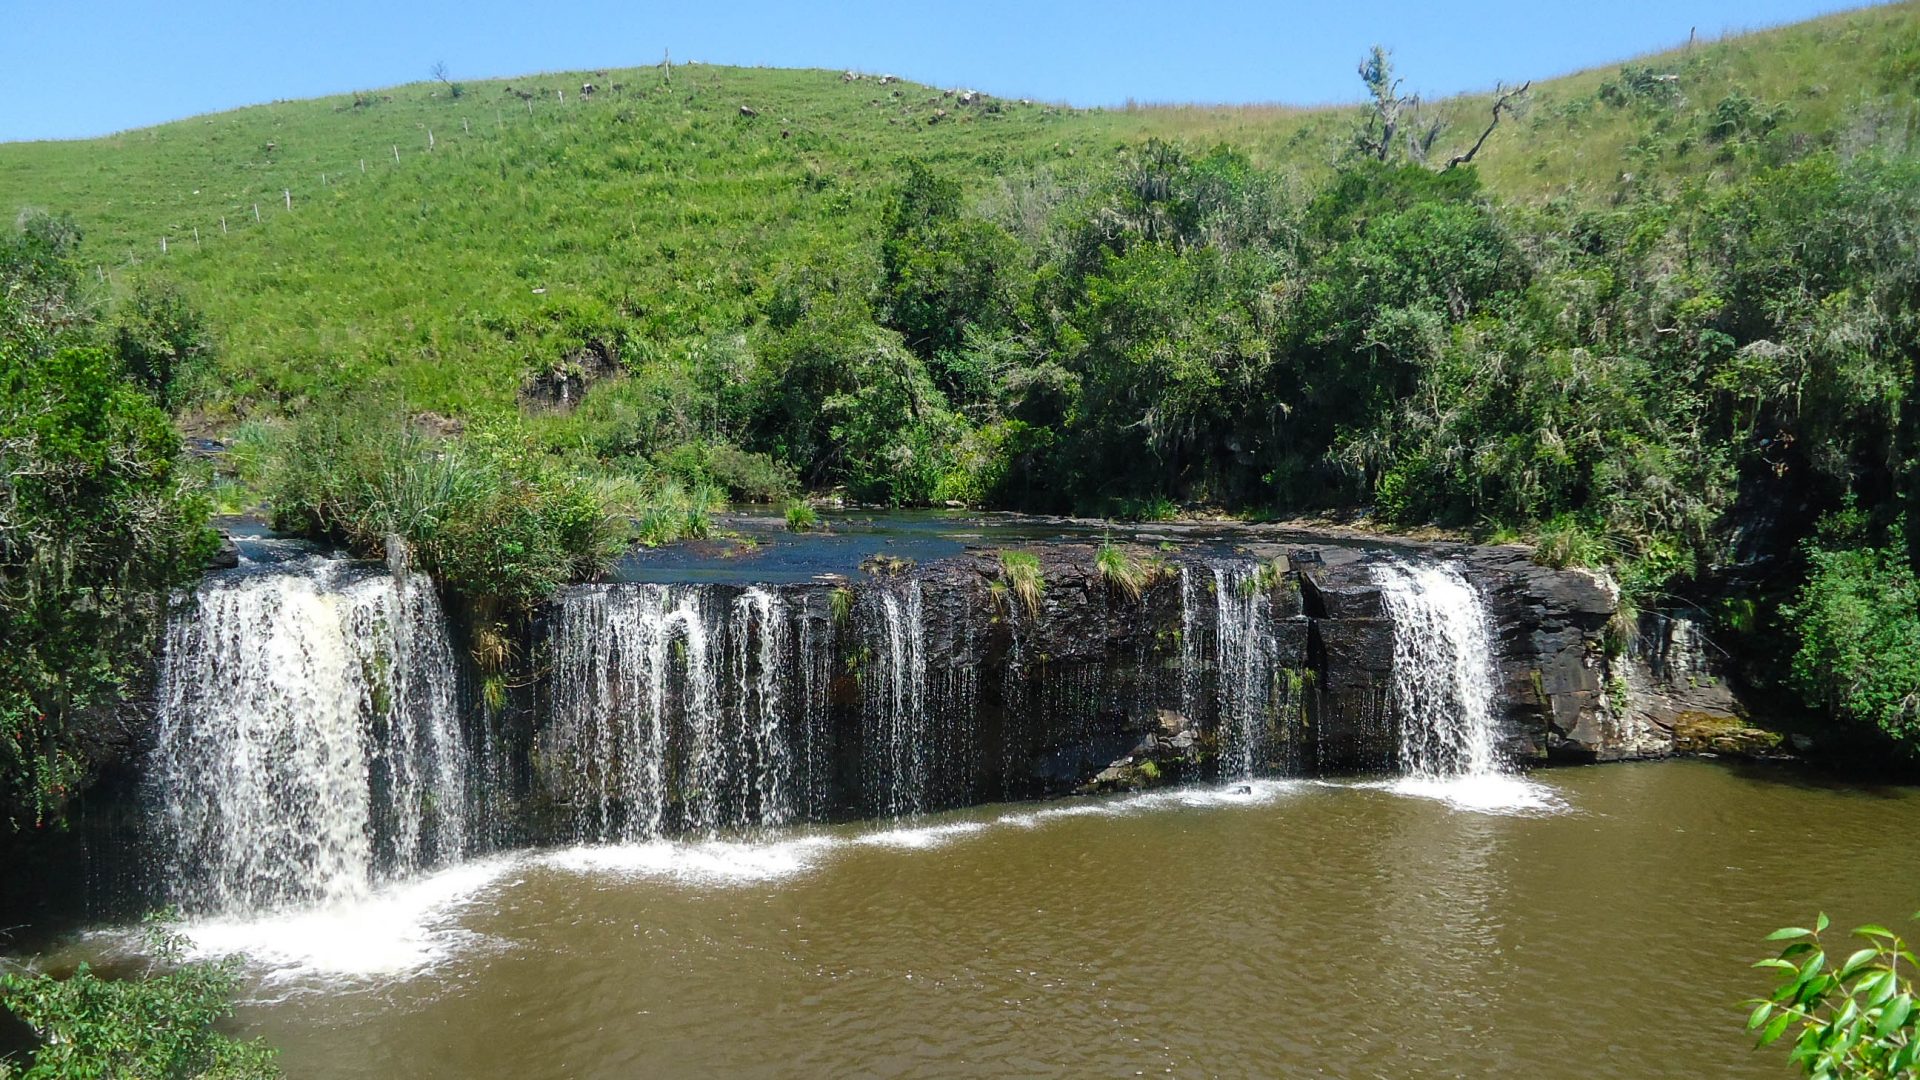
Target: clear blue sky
x,y
86,67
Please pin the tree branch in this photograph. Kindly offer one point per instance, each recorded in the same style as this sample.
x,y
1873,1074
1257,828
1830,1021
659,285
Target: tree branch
x,y
1504,103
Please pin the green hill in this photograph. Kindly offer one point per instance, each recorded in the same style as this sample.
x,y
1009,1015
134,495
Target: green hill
x,y
1664,323
654,211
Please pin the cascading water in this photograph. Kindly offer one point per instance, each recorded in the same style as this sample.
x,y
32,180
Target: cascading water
x,y
309,739
895,720
673,709
1245,658
1443,672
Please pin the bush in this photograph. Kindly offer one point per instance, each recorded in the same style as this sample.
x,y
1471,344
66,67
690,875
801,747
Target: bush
x,y
157,1026
744,475
1857,620
162,340
801,517
97,523
1857,1019
480,513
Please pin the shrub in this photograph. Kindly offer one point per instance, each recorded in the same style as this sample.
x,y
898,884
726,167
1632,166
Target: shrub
x,y
161,340
801,517
745,476
97,522
158,1025
478,512
1857,619
1857,1019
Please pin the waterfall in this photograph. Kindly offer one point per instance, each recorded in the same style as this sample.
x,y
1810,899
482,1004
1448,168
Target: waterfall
x,y
673,708
894,678
1245,667
309,740
758,622
1443,688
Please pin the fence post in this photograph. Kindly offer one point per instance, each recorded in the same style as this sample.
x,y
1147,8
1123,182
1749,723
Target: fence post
x,y
465,129
363,166
256,211
196,236
289,197
396,155
223,226
163,245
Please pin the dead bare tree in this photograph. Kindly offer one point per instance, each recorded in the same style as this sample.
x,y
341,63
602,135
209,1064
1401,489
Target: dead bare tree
x,y
1504,101
1397,123
1392,114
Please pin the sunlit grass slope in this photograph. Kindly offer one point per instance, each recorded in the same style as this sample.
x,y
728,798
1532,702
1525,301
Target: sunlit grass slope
x,y
443,246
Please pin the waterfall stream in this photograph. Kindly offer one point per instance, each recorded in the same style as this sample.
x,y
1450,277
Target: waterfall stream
x,y
1443,689
313,745
310,742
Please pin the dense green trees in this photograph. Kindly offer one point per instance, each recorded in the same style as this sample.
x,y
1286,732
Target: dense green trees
x,y
1677,384
96,520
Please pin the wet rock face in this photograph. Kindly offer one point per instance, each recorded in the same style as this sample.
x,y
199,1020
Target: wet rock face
x,y
1679,693
1096,688
560,388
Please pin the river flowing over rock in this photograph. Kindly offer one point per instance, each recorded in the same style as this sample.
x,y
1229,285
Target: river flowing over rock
x,y
320,729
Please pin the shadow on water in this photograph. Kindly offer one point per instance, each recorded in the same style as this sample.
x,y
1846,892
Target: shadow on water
x,y
1849,778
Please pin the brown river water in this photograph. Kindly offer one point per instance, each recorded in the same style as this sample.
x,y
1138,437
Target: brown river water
x,y
1588,923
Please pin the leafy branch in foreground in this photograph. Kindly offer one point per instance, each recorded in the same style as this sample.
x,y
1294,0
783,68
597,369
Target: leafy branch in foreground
x,y
1856,1020
157,1026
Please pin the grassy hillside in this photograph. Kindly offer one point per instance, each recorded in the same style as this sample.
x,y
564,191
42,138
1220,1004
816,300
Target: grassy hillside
x,y
654,213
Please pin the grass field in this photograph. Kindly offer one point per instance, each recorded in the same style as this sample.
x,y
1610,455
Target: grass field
x,y
442,247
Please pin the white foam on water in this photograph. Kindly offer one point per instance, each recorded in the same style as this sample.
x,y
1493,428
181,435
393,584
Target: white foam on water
x,y
710,862
920,837
1233,794
397,931
1237,793
1490,793
1029,819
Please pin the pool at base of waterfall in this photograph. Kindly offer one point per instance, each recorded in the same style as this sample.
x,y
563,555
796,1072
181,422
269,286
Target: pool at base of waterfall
x,y
1582,923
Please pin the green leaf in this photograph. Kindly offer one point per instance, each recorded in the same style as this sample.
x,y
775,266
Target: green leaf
x,y
1857,961
1820,923
1776,1029
1759,1015
1788,932
1873,930
1895,1014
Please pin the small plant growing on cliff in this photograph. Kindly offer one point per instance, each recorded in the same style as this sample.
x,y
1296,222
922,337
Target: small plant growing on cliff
x,y
887,565
1120,570
840,605
1020,572
1856,1019
1270,576
801,517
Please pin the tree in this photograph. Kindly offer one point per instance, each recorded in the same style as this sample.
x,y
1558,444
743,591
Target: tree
x,y
1389,111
